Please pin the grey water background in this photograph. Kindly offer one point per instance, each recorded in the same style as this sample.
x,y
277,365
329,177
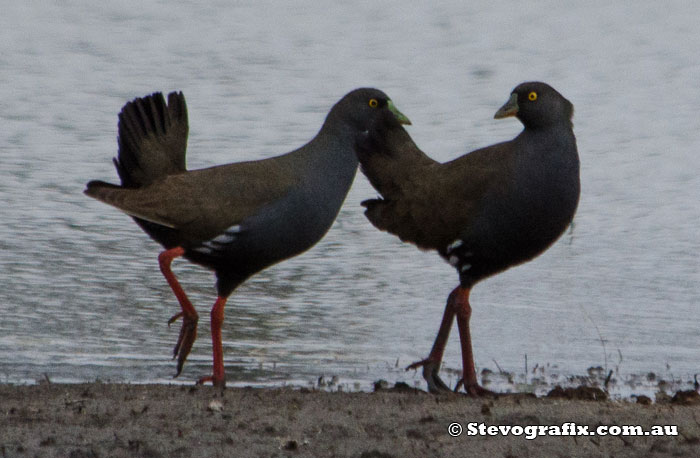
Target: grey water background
x,y
82,298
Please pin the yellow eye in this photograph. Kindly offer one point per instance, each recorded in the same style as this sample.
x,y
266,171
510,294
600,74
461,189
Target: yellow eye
x,y
373,103
532,96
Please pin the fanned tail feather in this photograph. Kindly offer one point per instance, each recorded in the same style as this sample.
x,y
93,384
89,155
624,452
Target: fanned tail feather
x,y
152,139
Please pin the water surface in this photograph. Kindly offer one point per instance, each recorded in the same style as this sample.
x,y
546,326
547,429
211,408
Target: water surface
x,y
82,297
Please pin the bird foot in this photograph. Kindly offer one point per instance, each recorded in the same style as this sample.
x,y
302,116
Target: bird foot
x,y
430,374
188,334
216,382
474,389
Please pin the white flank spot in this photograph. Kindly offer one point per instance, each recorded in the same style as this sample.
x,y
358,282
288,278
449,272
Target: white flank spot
x,y
234,229
454,245
454,260
465,267
224,238
203,250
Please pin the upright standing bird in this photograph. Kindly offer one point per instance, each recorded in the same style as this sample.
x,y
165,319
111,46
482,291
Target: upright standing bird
x,y
235,219
484,212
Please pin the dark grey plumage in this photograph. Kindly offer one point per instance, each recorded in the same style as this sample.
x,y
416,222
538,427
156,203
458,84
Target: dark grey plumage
x,y
240,218
484,212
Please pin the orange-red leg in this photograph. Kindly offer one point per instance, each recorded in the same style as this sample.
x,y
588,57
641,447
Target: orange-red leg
x,y
464,312
218,378
431,365
188,331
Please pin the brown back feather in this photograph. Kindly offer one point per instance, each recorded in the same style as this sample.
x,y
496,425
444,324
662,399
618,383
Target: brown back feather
x,y
411,185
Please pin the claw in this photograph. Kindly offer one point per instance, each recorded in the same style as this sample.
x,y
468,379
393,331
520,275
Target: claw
x,y
430,374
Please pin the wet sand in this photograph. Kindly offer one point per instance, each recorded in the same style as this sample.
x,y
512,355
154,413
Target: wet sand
x,y
120,420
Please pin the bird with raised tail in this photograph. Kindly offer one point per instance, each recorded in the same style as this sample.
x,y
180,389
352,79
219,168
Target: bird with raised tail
x,y
484,212
235,219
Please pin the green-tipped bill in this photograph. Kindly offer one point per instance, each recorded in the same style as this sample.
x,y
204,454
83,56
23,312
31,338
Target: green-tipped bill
x,y
509,109
399,116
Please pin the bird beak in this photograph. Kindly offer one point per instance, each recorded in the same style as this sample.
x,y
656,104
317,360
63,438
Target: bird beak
x,y
399,116
509,109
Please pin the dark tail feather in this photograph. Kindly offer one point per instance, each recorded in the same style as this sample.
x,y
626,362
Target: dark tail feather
x,y
100,190
152,139
116,196
374,211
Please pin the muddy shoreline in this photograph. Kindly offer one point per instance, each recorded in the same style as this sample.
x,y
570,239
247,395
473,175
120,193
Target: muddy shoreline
x,y
122,420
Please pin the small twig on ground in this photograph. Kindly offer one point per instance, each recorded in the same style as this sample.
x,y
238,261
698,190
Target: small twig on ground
x,y
600,336
497,366
607,380
525,364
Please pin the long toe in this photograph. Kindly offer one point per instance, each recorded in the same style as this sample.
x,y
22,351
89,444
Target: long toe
x,y
430,374
474,390
218,383
435,383
188,334
174,318
479,391
418,364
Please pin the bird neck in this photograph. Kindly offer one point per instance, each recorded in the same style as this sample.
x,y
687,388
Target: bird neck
x,y
328,157
552,135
